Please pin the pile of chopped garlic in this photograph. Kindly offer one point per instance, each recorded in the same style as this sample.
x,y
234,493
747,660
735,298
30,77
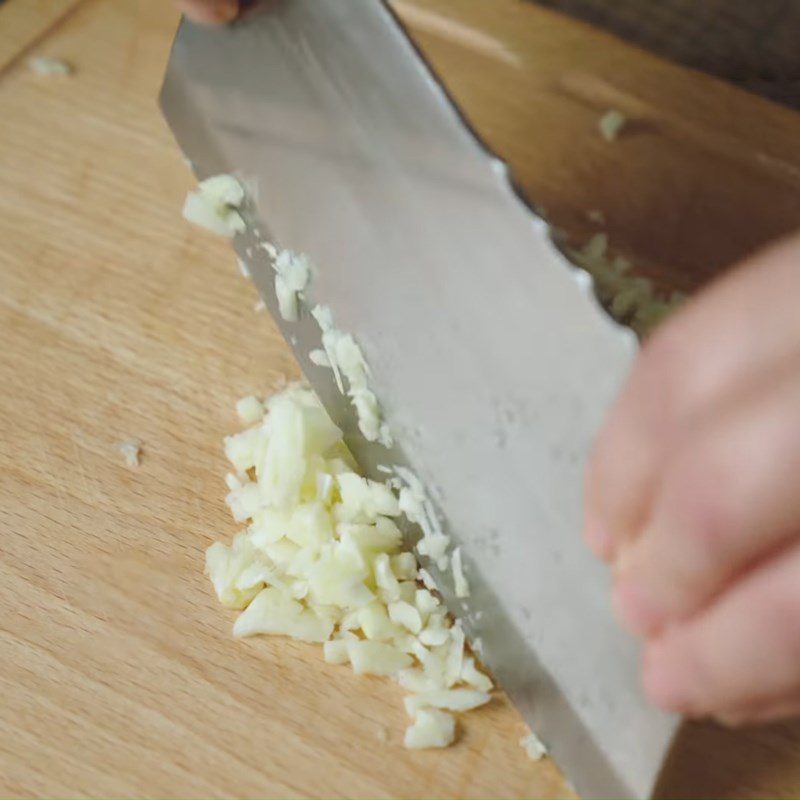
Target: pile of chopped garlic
x,y
322,560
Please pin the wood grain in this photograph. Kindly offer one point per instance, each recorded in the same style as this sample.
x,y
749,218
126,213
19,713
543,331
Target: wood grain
x,y
118,675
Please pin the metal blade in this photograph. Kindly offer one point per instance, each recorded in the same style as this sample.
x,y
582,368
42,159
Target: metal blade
x,y
493,363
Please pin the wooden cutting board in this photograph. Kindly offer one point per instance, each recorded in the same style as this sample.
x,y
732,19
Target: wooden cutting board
x,y
118,674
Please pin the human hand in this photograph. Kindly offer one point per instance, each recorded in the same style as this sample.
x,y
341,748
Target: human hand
x,y
693,495
210,12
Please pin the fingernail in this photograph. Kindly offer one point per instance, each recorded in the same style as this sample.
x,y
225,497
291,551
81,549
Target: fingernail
x,y
663,684
633,607
599,541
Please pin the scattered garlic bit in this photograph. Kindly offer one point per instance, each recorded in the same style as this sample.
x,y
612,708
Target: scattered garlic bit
x,y
596,247
292,274
473,677
322,560
533,746
459,579
320,358
427,580
291,278
346,360
268,248
259,306
324,317
130,450
611,124
431,728
249,410
48,65
596,216
434,544
631,299
244,270
215,205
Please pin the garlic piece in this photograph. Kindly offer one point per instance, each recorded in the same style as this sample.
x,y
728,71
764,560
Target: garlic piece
x,y
130,449
215,205
460,584
293,273
450,699
49,65
322,560
431,728
376,658
611,124
249,410
533,746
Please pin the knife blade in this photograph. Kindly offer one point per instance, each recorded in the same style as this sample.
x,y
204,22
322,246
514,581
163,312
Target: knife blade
x,y
492,360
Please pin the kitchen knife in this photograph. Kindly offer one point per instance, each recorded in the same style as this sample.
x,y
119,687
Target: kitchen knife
x,y
493,363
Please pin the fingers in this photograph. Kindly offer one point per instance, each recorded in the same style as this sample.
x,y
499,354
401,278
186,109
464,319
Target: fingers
x,y
760,712
210,12
739,658
691,492
728,496
723,340
624,462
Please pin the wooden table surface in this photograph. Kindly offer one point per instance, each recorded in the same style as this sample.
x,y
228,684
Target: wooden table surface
x,y
118,674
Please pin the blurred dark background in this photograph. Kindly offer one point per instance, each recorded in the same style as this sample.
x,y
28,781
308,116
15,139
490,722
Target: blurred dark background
x,y
752,43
